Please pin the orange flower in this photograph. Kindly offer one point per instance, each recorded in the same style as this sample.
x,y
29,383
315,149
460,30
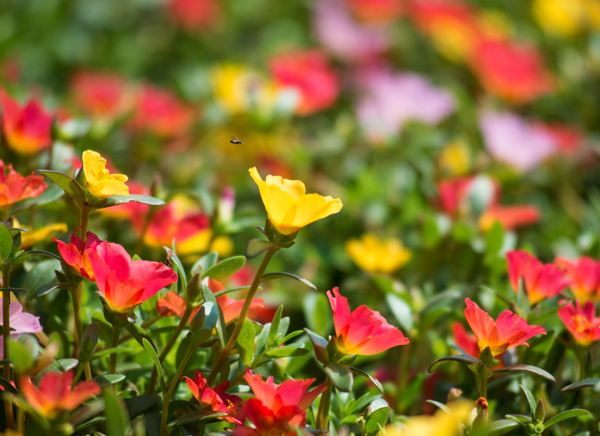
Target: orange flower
x,y
14,187
55,394
509,217
541,281
581,321
508,331
26,128
76,253
511,71
377,11
363,331
584,276
215,400
309,74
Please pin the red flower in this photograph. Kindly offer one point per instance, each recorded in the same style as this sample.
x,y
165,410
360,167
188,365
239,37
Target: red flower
x,y
26,128
377,11
194,15
464,340
210,398
363,331
173,304
161,113
508,331
55,394
511,71
276,409
76,253
541,281
454,194
581,321
584,276
14,187
101,94
125,283
509,217
309,74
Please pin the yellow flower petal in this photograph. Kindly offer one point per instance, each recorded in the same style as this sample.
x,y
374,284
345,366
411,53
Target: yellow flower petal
x,y
376,255
100,182
32,237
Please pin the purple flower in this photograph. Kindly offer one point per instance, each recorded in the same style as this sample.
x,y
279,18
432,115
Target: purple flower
x,y
512,140
342,35
20,322
389,100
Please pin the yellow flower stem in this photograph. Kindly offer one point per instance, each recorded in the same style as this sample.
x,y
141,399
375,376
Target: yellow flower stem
x,y
240,321
10,421
323,413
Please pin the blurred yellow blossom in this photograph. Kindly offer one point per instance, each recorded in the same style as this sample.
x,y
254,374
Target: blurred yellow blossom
x,y
100,182
288,206
31,237
454,159
559,17
376,255
443,423
222,245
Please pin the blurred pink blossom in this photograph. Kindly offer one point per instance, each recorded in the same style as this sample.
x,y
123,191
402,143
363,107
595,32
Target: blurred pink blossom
x,y
390,100
515,141
20,322
344,36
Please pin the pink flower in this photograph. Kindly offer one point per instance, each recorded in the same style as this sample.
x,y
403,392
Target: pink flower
x,y
125,283
26,128
363,331
345,37
276,409
101,94
309,74
512,140
377,11
212,399
508,331
15,187
581,321
76,253
390,100
55,394
540,280
20,323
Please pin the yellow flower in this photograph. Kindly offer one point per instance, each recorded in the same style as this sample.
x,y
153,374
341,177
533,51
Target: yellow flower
x,y
441,424
376,255
100,182
559,17
32,237
223,245
592,13
289,207
454,159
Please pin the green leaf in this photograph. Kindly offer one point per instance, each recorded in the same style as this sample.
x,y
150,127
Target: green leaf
x,y
340,375
377,417
275,325
109,379
319,345
372,379
175,262
287,351
529,369
225,268
69,185
502,426
317,313
89,340
256,247
115,200
152,353
530,400
140,404
246,341
117,420
6,243
287,275
439,405
568,414
461,358
401,310
51,194
20,356
204,263
585,383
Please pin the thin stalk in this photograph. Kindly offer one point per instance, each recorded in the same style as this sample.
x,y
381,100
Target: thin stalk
x,y
323,413
182,323
76,298
243,314
10,421
115,343
482,375
171,390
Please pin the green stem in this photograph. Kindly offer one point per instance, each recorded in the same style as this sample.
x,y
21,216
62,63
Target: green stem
x,y
84,216
10,422
76,297
115,343
182,323
171,390
323,413
243,314
482,375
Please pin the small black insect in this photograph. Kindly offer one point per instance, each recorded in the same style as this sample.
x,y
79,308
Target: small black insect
x,y
236,140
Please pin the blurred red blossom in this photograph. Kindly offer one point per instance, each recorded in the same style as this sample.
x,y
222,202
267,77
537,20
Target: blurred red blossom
x,y
27,128
309,74
581,321
102,95
540,281
15,187
276,409
377,11
584,277
194,15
